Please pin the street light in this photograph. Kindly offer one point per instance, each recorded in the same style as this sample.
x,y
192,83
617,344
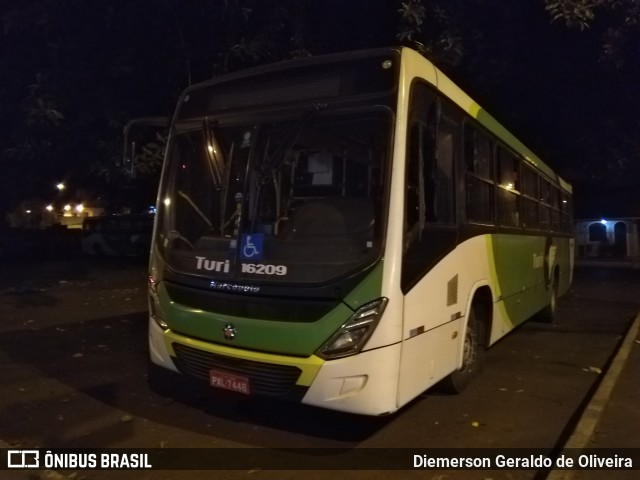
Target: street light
x,y
60,186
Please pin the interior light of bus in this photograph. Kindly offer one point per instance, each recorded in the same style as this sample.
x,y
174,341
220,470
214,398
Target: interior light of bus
x,y
603,221
353,335
152,284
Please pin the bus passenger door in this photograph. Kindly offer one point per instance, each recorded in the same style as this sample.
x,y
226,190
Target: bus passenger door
x,y
430,225
429,274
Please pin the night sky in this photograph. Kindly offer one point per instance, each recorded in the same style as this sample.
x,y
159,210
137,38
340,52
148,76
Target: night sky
x,y
73,72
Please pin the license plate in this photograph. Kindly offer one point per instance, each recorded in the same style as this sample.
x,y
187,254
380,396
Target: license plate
x,y
229,381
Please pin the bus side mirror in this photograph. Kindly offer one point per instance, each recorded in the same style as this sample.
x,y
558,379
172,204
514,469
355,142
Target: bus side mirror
x,y
129,148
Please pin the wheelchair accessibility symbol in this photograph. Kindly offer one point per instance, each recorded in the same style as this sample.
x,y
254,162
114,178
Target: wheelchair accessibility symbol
x,y
251,246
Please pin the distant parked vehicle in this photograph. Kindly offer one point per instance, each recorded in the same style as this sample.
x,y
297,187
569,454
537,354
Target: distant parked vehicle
x,y
128,235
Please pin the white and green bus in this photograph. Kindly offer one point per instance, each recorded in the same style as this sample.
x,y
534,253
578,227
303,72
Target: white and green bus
x,y
347,231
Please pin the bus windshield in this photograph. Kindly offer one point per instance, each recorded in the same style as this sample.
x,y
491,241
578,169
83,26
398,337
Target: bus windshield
x,y
294,197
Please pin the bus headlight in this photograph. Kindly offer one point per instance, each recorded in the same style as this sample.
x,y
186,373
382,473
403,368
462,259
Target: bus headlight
x,y
353,335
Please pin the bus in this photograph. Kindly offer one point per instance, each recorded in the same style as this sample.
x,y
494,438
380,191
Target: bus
x,y
347,231
117,235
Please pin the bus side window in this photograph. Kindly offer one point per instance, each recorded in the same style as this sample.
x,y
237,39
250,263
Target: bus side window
x,y
479,176
508,188
477,152
440,192
545,204
419,161
414,205
429,215
427,183
530,197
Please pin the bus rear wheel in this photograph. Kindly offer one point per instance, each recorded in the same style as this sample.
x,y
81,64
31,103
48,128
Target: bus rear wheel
x,y
472,356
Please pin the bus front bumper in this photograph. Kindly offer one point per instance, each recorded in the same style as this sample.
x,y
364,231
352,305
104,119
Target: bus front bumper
x,y
365,383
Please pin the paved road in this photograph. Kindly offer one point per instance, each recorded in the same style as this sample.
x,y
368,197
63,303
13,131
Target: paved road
x,y
73,374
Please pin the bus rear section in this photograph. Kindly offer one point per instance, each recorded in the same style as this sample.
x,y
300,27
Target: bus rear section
x,y
117,235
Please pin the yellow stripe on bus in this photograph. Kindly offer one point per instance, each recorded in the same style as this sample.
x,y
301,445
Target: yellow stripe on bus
x,y
495,281
309,365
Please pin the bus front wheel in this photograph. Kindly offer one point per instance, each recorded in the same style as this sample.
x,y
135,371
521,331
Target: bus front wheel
x,y
472,356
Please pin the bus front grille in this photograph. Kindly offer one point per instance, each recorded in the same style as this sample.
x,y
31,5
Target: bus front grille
x,y
265,378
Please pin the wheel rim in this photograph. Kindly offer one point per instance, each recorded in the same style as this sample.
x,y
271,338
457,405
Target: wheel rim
x,y
469,349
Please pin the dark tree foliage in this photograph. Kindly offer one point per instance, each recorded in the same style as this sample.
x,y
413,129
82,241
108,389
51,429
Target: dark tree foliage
x,y
75,71
611,147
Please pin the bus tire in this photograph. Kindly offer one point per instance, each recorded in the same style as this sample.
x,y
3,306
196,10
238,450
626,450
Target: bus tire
x,y
160,380
472,357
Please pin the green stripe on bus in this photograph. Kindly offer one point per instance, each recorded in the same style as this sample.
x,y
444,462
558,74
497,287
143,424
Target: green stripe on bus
x,y
368,290
495,281
286,337
519,273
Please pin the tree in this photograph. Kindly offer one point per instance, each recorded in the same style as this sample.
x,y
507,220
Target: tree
x,y
613,161
77,71
621,22
74,71
433,28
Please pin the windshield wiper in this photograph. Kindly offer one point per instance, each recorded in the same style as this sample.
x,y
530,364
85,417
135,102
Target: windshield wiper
x,y
195,207
176,235
216,161
219,168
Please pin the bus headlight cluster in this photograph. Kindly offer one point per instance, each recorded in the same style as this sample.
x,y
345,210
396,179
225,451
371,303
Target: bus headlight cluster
x,y
353,335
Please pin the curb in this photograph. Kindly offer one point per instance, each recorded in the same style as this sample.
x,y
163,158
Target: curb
x,y
634,264
585,428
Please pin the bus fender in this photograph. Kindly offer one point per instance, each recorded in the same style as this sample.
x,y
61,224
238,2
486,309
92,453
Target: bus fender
x,y
482,295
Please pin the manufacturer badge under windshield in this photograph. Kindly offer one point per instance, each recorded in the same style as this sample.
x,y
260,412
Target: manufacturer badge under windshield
x,y
233,287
